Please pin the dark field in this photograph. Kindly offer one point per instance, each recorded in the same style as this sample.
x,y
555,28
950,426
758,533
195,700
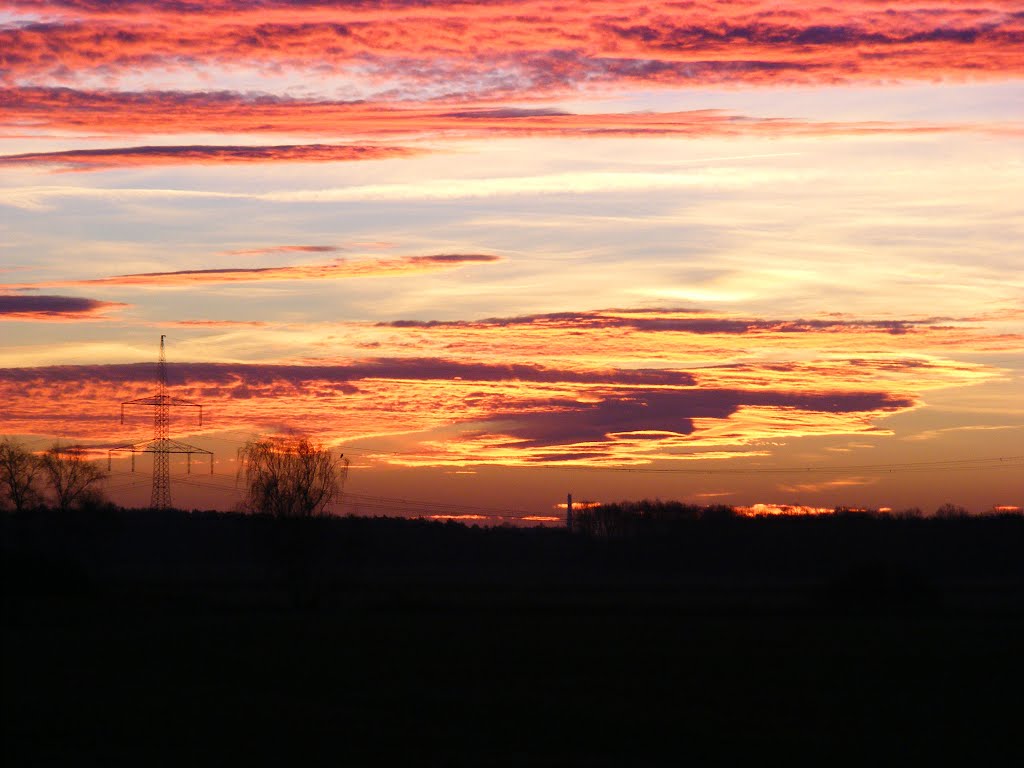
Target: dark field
x,y
142,638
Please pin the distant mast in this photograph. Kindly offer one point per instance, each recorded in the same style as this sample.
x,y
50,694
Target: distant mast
x,y
568,513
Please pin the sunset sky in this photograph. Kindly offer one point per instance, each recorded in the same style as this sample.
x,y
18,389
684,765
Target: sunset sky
x,y
740,252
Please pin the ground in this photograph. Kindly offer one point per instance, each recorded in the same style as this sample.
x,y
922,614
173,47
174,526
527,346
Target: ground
x,y
197,639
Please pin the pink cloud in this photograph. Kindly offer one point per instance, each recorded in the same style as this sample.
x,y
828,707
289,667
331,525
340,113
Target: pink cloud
x,y
169,112
283,249
134,157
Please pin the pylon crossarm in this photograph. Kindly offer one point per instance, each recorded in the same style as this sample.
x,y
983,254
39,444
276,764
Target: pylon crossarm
x,y
178,401
161,400
153,446
176,447
143,401
134,448
162,446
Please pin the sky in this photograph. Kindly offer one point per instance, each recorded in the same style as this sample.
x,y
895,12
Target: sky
x,y
739,252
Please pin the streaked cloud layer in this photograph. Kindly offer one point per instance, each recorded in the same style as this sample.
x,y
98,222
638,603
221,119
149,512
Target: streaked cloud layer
x,y
174,112
584,401
133,157
600,236
494,49
337,269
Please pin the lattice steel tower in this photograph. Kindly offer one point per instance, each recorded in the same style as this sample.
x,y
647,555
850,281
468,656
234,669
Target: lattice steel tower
x,y
161,446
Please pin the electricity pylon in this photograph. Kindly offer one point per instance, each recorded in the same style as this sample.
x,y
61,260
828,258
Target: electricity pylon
x,y
161,446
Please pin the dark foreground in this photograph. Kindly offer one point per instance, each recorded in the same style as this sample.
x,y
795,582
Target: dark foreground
x,y
178,639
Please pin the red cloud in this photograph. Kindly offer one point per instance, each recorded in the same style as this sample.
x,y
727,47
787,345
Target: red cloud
x,y
536,45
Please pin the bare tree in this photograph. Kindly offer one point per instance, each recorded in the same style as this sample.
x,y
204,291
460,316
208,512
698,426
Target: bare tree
x,y
290,476
71,478
19,475
951,511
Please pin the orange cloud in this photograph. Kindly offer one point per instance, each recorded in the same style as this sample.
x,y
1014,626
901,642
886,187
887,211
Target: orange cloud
x,y
337,269
865,349
458,412
444,393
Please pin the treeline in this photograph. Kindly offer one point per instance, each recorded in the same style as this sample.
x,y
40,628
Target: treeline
x,y
653,517
682,554
630,518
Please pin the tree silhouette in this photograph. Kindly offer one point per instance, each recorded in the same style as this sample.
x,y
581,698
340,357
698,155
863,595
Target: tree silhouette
x,y
294,481
290,476
19,475
71,478
948,511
